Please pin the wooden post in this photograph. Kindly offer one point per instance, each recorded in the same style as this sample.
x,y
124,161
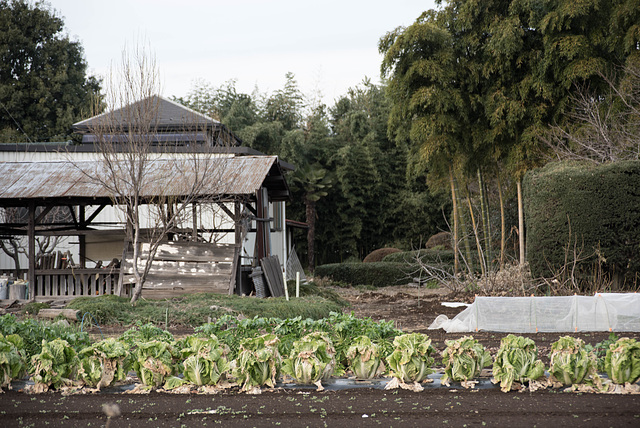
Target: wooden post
x,y
82,239
31,232
260,244
194,214
236,266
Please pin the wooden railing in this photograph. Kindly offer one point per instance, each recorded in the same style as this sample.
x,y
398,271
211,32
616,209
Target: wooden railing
x,y
74,282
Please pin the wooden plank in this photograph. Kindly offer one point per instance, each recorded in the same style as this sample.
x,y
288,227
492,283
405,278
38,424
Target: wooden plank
x,y
183,268
190,251
170,281
271,267
70,314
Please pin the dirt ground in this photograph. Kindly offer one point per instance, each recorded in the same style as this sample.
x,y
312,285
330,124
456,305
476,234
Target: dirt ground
x,y
413,310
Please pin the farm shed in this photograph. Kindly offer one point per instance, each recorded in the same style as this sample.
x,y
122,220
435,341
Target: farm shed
x,y
242,184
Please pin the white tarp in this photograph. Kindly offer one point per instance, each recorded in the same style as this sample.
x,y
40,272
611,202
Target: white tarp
x,y
602,312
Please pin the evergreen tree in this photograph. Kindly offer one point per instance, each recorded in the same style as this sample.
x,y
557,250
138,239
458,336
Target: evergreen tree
x,y
44,88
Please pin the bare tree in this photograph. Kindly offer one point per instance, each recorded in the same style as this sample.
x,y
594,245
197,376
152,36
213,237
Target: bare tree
x,y
601,128
156,184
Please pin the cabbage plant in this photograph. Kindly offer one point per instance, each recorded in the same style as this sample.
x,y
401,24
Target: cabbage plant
x,y
622,362
104,362
205,360
55,366
365,359
411,359
463,359
516,361
312,359
258,362
571,362
153,362
12,361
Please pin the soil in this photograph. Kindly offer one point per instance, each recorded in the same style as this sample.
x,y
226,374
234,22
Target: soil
x,y
413,310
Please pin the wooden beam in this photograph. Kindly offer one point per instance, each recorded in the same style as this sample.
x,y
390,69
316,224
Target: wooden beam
x,y
31,233
44,212
227,210
73,216
82,239
95,213
194,214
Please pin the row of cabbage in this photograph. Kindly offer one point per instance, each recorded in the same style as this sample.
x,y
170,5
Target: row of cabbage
x,y
257,353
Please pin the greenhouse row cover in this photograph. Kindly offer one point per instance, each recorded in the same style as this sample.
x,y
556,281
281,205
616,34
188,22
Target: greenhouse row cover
x,y
601,312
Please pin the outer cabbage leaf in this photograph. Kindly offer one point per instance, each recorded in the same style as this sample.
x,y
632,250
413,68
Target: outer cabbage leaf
x,y
12,360
312,359
516,362
205,360
365,359
154,362
571,363
622,362
104,362
411,360
464,359
55,366
258,362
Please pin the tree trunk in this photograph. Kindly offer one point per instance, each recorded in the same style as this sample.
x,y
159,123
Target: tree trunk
x,y
502,224
456,259
475,234
468,259
486,226
520,222
311,232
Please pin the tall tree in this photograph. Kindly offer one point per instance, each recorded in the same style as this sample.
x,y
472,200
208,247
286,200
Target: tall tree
x,y
44,87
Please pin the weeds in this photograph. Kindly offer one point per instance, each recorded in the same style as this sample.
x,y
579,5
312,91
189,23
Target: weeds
x,y
197,309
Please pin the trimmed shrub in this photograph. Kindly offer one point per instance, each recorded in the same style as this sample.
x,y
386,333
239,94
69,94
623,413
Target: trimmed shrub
x,y
379,254
595,209
440,239
431,256
377,274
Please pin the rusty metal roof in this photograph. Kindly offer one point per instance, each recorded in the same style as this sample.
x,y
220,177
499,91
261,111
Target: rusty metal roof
x,y
77,182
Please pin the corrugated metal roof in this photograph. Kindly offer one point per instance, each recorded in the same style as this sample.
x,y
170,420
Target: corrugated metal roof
x,y
23,181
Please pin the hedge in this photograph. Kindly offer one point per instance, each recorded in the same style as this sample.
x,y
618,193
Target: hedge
x,y
596,208
377,274
429,256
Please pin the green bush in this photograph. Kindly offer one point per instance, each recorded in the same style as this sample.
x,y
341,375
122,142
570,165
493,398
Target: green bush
x,y
379,274
594,209
379,254
431,256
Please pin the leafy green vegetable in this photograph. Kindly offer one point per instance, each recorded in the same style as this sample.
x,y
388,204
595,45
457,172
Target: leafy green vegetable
x,y
345,327
600,350
104,362
365,359
411,360
463,359
516,362
141,333
174,382
312,359
56,365
154,362
205,360
12,360
258,362
33,332
571,362
622,362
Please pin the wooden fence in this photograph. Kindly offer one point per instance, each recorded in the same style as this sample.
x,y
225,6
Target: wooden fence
x,y
74,282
